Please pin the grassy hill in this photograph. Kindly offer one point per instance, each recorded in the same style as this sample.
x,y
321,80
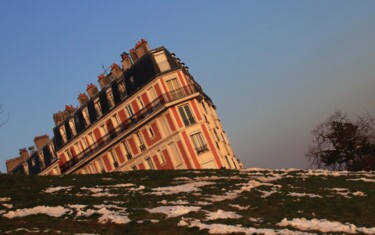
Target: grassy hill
x,y
256,201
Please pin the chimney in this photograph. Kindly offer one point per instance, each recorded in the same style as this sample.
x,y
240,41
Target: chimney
x,y
12,163
40,141
92,90
141,48
116,71
82,98
69,109
103,80
126,61
133,55
58,117
24,154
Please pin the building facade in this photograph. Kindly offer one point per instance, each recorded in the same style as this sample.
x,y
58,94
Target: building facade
x,y
149,113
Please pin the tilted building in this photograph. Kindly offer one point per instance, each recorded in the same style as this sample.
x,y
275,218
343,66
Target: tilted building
x,y
149,113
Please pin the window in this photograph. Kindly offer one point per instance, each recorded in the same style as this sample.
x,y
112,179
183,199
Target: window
x,y
151,93
122,89
115,158
99,163
128,154
160,158
116,119
129,110
77,147
174,88
63,134
162,61
151,132
186,115
204,107
68,154
41,160
72,127
140,102
142,146
102,130
111,101
86,117
199,144
90,138
98,108
150,164
33,162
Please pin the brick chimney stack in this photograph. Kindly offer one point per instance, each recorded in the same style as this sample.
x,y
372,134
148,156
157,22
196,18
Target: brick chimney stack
x,y
116,71
126,61
40,141
24,154
83,98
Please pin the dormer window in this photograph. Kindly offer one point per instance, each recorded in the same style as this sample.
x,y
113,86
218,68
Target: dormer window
x,y
63,134
111,101
98,107
122,89
162,61
72,127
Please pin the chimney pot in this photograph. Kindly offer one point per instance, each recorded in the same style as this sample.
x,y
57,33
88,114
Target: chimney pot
x,y
103,80
82,98
40,141
92,90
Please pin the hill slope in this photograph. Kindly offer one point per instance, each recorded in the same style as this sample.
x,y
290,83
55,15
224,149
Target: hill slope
x,y
189,202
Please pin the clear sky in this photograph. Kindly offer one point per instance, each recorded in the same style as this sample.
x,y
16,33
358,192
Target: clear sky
x,y
274,69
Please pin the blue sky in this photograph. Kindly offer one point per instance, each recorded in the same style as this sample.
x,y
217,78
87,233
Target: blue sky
x,y
274,69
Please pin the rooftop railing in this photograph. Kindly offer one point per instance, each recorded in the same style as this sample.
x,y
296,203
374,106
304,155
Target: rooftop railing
x,y
151,108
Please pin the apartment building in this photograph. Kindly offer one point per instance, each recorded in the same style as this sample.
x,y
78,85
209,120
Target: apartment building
x,y
148,113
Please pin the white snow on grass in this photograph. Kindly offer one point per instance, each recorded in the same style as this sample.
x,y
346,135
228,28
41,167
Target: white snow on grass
x,y
220,214
5,199
9,206
104,194
47,210
112,216
227,229
120,185
363,179
93,190
324,226
117,217
56,189
141,187
178,202
293,194
183,188
239,207
345,192
266,193
174,211
182,179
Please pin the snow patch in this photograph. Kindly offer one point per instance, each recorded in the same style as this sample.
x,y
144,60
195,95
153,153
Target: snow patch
x,y
363,179
4,199
174,211
183,188
324,225
56,189
47,210
227,229
220,214
304,195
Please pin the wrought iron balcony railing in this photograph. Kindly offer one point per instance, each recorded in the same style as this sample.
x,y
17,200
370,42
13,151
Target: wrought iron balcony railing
x,y
151,108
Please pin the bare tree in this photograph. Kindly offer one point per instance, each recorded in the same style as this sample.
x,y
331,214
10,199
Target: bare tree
x,y
339,143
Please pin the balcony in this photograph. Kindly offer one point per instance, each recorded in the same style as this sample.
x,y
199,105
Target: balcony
x,y
151,108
